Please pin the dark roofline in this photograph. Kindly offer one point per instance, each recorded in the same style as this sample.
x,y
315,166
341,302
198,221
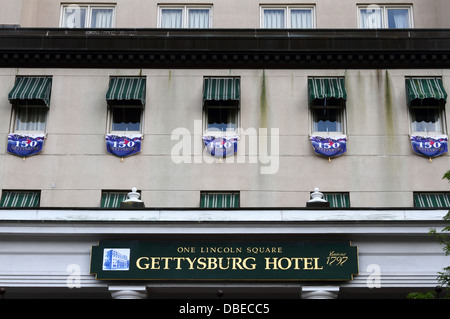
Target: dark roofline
x,y
224,48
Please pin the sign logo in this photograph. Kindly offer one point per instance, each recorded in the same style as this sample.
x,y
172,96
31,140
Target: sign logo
x,y
116,259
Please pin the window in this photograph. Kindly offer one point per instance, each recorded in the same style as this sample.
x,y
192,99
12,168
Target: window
x,y
87,16
221,98
426,119
327,98
126,100
29,199
176,17
389,17
327,116
337,199
281,17
437,200
125,118
221,117
30,98
426,99
219,199
29,118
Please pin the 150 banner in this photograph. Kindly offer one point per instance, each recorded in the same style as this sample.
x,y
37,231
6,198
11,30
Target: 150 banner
x,y
25,145
123,146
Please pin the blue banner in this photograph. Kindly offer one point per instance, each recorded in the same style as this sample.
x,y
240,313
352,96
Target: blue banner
x,y
25,145
429,146
329,147
123,146
220,146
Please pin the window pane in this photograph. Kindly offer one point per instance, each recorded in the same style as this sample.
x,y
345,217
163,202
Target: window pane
x,y
398,18
74,17
426,120
126,119
199,18
274,18
102,18
222,118
301,19
30,119
327,120
371,18
171,18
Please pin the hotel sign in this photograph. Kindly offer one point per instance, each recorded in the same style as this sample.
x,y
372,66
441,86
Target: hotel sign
x,y
154,260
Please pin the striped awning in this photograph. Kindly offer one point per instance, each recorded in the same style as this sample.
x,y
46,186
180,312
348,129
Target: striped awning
x,y
219,200
126,89
326,88
337,199
32,88
221,89
437,200
425,88
20,199
112,199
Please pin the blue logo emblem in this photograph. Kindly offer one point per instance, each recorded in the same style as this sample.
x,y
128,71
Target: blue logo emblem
x,y
116,259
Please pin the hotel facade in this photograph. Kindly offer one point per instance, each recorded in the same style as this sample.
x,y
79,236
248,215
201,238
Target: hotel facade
x,y
176,149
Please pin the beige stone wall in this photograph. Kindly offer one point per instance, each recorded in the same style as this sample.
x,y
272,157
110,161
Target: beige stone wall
x,y
226,14
379,169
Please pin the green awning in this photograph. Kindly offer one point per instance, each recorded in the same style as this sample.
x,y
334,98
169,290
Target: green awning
x,y
126,89
221,89
113,199
326,88
437,200
421,88
32,88
337,199
219,200
20,199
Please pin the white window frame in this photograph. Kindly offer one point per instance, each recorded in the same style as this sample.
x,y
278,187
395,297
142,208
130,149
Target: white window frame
x,y
227,132
185,13
15,114
441,112
442,118
287,16
89,7
110,119
384,14
341,108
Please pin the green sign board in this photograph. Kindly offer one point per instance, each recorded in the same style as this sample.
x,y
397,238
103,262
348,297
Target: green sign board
x,y
156,260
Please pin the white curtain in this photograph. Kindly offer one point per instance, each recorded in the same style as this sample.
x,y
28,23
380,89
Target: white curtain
x,y
198,18
171,18
398,18
371,18
301,19
274,19
101,18
31,119
74,17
